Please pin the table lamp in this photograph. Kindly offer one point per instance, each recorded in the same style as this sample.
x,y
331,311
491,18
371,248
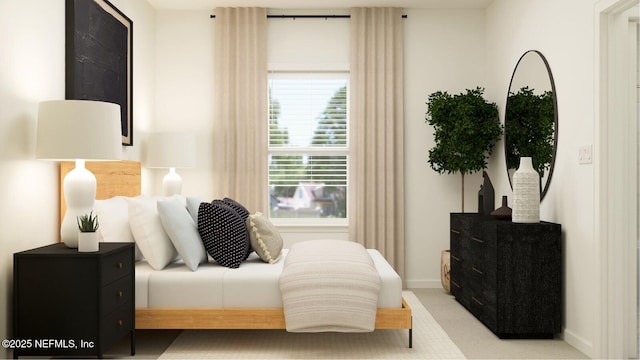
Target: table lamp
x,y
78,130
171,150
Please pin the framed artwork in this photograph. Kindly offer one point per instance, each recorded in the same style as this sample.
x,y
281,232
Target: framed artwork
x,y
99,57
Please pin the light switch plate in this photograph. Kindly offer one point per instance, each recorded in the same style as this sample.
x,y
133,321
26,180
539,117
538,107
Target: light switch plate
x,y
585,155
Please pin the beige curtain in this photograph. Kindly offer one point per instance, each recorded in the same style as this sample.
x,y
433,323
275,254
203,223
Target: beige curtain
x,y
240,106
376,207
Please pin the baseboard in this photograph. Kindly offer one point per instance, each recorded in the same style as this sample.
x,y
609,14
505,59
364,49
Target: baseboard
x,y
423,284
578,342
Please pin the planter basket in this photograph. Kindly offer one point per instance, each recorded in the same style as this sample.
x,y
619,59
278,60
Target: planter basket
x,y
445,270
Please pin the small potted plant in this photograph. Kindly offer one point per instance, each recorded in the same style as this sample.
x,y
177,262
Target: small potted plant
x,y
88,235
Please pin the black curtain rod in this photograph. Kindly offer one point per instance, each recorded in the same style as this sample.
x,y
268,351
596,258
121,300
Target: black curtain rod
x,y
309,16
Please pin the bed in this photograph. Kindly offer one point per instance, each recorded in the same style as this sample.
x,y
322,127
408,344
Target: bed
x,y
156,308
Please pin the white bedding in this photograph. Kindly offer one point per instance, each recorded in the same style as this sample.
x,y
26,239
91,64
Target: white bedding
x,y
254,284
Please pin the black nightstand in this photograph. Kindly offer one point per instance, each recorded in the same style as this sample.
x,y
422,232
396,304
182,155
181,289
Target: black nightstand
x,y
68,303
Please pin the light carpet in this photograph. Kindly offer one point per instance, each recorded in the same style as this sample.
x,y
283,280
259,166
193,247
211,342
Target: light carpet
x,y
430,341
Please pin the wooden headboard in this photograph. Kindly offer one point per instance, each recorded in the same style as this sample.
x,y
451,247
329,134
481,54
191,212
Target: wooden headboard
x,y
113,178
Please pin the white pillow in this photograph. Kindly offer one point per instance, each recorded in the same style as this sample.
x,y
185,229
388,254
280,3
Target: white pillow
x,y
265,239
153,241
193,204
183,232
113,217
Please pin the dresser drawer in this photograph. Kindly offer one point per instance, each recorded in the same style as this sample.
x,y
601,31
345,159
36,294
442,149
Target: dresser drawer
x,y
117,293
476,305
117,265
457,275
464,223
459,245
477,250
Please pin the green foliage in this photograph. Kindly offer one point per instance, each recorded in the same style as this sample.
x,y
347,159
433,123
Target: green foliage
x,y
331,131
288,171
278,136
466,128
88,222
284,167
332,127
529,129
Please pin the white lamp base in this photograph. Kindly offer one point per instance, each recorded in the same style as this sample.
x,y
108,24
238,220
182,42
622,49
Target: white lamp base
x,y
79,195
172,183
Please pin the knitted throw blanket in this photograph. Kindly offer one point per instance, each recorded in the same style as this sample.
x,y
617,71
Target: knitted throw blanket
x,y
329,285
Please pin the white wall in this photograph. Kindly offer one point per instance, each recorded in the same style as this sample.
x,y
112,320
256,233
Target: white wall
x,y
564,32
184,92
444,51
32,70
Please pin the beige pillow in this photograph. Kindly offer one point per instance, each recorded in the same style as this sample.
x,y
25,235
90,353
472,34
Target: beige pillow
x,y
265,238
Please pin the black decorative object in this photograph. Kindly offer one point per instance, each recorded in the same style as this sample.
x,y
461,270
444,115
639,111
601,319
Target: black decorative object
x,y
508,275
503,212
486,201
99,57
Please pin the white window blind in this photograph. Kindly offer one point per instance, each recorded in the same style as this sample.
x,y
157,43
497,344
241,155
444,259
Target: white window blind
x,y
308,145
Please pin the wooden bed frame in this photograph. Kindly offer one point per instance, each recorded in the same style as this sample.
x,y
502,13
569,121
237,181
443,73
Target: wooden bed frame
x,y
124,178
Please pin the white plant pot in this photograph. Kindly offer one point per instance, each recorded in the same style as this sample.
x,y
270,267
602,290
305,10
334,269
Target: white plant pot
x,y
88,242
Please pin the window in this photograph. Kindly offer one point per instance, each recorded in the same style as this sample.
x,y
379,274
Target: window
x,y
308,145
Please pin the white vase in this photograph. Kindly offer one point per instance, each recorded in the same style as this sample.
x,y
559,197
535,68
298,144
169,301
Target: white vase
x,y
88,242
526,193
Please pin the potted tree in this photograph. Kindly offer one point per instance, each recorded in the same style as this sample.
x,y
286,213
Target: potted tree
x,y
466,127
88,236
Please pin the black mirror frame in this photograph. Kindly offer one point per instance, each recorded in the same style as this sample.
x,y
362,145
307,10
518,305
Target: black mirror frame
x,y
545,188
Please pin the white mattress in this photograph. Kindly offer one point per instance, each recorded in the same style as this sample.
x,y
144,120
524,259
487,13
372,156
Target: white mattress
x,y
253,284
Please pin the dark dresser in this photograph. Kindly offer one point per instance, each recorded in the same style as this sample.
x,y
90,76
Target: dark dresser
x,y
68,303
508,275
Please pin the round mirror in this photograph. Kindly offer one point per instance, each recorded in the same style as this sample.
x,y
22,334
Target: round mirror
x,y
531,118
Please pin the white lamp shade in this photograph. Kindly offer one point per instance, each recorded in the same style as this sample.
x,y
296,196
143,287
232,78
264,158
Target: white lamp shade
x,y
79,129
171,150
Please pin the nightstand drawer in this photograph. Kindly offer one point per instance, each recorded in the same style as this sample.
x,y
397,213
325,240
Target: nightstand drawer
x,y
116,265
117,293
117,324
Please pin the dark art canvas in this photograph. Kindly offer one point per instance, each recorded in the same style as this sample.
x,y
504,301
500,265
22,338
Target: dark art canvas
x,y
99,57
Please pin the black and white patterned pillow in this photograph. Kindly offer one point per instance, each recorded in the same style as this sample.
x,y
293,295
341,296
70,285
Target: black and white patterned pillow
x,y
244,214
223,233
239,208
